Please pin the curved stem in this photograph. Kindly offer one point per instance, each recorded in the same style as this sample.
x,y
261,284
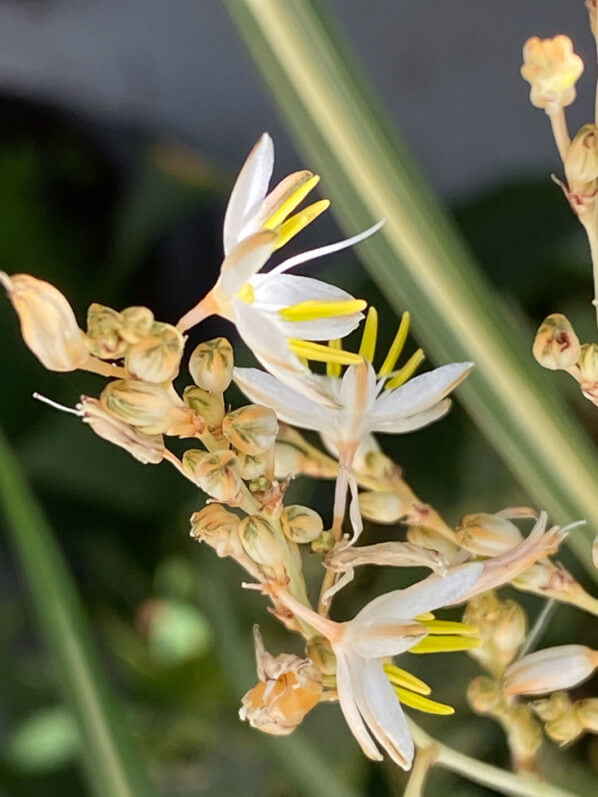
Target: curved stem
x,y
558,122
486,774
96,366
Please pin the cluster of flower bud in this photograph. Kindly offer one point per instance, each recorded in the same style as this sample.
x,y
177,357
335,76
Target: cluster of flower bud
x,y
566,720
502,626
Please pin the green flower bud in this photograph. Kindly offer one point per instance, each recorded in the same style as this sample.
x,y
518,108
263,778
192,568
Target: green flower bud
x,y
253,467
137,323
251,429
556,346
138,404
581,162
381,507
157,358
218,474
324,543
301,524
217,527
260,541
105,331
209,405
211,365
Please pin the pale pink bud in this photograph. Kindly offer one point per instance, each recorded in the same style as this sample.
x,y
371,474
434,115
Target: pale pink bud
x,y
487,535
48,323
550,669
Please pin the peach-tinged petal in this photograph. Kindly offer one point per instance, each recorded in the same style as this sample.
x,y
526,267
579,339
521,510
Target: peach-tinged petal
x,y
243,262
549,670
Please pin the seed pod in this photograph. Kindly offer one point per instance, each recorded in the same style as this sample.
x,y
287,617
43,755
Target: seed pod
x,y
556,345
320,652
487,535
157,358
381,507
485,697
211,365
252,467
587,713
428,538
301,524
137,323
145,448
209,405
105,331
48,323
219,528
251,429
288,689
260,541
559,715
581,161
218,474
139,404
550,669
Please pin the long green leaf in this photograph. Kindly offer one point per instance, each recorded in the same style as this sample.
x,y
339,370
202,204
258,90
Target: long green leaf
x,y
418,259
110,760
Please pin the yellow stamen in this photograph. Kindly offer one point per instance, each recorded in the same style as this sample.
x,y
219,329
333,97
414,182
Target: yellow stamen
x,y
445,644
396,347
292,201
443,627
399,677
322,354
421,618
423,703
407,371
334,369
370,335
246,294
314,309
291,227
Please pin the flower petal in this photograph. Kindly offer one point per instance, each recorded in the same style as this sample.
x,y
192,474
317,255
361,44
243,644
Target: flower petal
x,y
420,393
243,262
248,192
413,422
282,290
346,699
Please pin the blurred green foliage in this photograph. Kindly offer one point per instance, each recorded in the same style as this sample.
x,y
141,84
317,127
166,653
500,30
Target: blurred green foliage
x,y
172,622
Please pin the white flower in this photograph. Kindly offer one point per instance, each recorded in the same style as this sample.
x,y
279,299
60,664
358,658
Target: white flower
x,y
385,627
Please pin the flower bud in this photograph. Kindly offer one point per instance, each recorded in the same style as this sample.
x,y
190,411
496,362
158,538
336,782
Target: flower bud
x,y
502,626
428,538
288,689
588,371
485,697
136,323
252,467
560,718
487,535
587,714
146,448
552,69
301,524
550,669
556,345
251,429
157,357
219,528
381,507
211,365
218,474
581,161
209,405
524,734
320,652
324,543
288,460
138,404
260,541
48,323
105,331
510,630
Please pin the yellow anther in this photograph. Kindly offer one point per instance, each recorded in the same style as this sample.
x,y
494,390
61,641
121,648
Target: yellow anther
x,y
370,335
421,618
407,371
314,309
291,202
443,627
322,354
246,294
299,221
334,369
445,644
423,703
399,677
396,347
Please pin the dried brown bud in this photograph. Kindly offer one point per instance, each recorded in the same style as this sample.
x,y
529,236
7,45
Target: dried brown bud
x,y
48,323
288,689
251,429
145,448
381,507
301,524
209,405
219,528
218,474
487,535
157,357
556,346
261,541
211,365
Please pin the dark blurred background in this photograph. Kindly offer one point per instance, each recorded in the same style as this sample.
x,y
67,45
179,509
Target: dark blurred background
x,y
122,126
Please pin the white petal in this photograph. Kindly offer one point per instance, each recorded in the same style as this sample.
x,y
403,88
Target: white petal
x,y
243,262
354,510
249,190
389,635
427,595
322,328
289,406
282,290
381,709
321,251
270,347
418,421
420,393
346,698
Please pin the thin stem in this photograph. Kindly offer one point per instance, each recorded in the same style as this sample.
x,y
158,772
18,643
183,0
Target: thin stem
x,y
424,760
558,122
542,621
592,233
96,366
486,774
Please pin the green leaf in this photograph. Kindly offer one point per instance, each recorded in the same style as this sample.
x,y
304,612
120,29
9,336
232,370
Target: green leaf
x,y
418,259
110,759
